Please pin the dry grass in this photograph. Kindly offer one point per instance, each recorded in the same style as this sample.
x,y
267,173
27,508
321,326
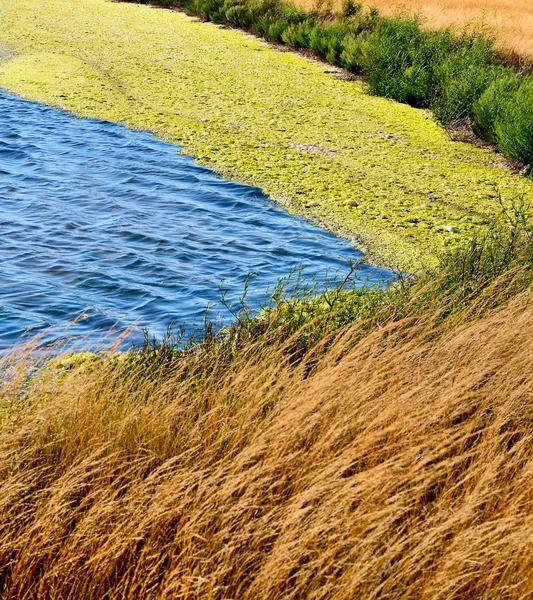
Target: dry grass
x,y
385,465
510,20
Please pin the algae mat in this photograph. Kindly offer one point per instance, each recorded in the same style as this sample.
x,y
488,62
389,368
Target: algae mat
x,y
363,166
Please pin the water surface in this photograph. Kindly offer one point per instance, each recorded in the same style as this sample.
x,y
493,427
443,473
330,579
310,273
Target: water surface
x,y
114,225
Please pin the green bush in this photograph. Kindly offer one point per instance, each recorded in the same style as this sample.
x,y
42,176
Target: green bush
x,y
394,61
462,75
355,51
335,33
271,19
288,12
489,107
514,126
350,9
209,10
319,40
339,42
275,31
237,13
298,35
433,69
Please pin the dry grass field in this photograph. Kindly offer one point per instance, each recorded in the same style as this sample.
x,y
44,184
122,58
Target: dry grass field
x,y
510,20
390,465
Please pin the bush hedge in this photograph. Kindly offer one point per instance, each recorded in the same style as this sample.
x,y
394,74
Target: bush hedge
x,y
488,108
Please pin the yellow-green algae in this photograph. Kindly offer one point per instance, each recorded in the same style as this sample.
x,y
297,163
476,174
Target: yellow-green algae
x,y
361,165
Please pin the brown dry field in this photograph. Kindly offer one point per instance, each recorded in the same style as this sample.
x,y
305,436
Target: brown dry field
x,y
390,466
510,20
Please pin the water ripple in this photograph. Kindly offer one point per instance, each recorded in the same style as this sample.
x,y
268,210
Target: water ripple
x,y
115,225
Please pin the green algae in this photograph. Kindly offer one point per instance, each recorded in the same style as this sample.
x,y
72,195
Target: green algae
x,y
380,172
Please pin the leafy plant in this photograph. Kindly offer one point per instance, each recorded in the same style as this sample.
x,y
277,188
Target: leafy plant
x,y
514,126
488,109
462,72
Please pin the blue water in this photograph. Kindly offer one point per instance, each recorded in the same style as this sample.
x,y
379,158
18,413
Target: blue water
x,y
110,227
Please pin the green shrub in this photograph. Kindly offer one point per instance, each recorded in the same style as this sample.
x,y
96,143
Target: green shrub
x,y
462,75
298,35
370,19
514,126
350,9
429,68
270,18
458,77
489,107
290,13
318,40
393,61
335,33
237,13
338,42
275,31
355,51
209,10
261,24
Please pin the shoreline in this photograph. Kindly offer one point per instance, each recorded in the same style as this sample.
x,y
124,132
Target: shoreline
x,y
349,162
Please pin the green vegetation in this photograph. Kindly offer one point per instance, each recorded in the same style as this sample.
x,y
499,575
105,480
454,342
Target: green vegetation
x,y
463,79
353,444
489,107
496,265
434,69
467,284
513,127
360,165
337,37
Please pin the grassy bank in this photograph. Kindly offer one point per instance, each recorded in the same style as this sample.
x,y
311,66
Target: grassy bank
x,y
362,444
384,454
363,166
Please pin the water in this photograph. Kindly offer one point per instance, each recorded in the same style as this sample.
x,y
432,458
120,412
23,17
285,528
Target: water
x,y
114,225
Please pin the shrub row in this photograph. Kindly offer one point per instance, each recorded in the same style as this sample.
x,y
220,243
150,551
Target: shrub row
x,y
462,78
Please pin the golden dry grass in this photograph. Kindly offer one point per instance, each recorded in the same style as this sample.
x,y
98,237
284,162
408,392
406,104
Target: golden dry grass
x,y
510,20
387,466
